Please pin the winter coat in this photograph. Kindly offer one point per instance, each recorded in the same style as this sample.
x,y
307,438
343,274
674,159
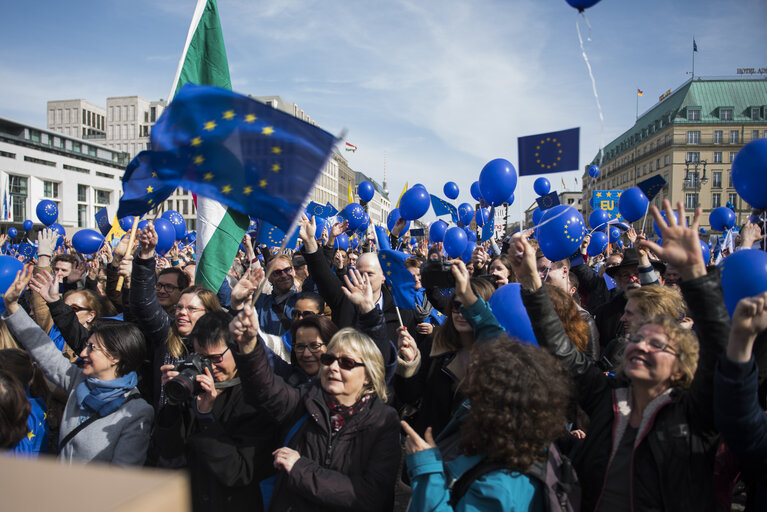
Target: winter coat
x,y
673,456
353,470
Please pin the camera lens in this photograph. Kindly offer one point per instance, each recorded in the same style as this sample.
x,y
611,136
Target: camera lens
x,y
181,387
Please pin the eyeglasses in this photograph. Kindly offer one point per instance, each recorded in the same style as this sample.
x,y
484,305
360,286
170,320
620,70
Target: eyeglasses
x,y
188,309
656,344
313,348
217,358
90,347
286,270
167,287
77,308
300,314
345,363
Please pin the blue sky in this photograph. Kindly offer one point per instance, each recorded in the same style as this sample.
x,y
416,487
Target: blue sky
x,y
440,87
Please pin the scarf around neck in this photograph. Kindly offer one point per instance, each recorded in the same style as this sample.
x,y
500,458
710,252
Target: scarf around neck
x,y
104,397
339,414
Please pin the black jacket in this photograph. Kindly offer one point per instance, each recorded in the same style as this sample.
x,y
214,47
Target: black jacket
x,y
65,318
354,470
228,452
674,461
591,284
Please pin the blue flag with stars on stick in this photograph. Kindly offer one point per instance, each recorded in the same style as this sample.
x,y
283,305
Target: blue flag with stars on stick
x,y
102,221
272,236
550,200
652,186
399,281
240,152
318,210
142,190
546,153
488,228
442,207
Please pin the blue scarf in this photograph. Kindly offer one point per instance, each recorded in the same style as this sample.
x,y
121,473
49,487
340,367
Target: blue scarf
x,y
104,396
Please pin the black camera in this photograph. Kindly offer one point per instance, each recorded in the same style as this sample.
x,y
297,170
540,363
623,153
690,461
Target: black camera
x,y
437,273
492,278
184,386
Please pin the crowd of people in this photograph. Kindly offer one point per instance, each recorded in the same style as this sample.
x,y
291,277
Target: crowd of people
x,y
302,383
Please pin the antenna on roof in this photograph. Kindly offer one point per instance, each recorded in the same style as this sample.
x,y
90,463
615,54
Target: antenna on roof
x,y
385,188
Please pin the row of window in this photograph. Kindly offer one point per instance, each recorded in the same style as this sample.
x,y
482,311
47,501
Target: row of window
x,y
19,191
725,113
694,156
693,136
62,143
691,200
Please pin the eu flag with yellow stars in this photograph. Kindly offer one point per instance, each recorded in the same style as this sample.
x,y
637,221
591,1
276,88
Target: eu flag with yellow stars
x,y
547,153
550,200
142,190
399,281
608,200
27,250
652,186
317,210
272,236
102,221
240,152
488,228
442,207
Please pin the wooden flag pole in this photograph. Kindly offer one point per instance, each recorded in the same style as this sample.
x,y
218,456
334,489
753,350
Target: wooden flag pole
x,y
132,239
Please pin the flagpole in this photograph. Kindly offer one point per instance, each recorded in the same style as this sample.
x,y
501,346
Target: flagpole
x,y
637,115
693,57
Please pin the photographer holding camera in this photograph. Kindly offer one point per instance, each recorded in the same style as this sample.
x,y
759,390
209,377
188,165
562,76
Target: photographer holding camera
x,y
207,426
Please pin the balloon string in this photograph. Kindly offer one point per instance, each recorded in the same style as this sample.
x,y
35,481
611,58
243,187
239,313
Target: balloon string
x,y
764,238
611,221
594,88
588,37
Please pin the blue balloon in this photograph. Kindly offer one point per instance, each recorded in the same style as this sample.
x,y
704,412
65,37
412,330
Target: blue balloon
x,y
481,216
537,214
126,223
437,231
179,224
414,203
722,218
663,214
615,234
748,173
633,204
354,243
451,190
413,241
465,213
13,232
508,308
341,242
582,4
593,171
355,214
598,243
467,252
561,232
510,200
392,219
702,231
58,228
744,274
28,225
619,244
455,241
598,219
9,266
166,235
705,249
366,191
497,181
142,224
542,186
365,224
474,190
471,236
47,212
87,241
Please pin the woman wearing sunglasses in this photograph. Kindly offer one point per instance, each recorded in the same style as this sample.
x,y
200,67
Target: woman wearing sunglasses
x,y
651,441
105,419
345,451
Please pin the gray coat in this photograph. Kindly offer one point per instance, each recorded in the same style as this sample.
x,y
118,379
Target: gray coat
x,y
120,438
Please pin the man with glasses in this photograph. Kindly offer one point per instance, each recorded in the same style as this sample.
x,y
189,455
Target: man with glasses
x,y
170,283
275,309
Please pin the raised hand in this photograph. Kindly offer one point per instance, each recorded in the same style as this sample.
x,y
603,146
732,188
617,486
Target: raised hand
x,y
358,290
681,245
748,320
244,329
463,291
306,232
407,345
414,442
147,241
522,256
47,285
285,458
209,392
246,286
11,297
46,243
77,273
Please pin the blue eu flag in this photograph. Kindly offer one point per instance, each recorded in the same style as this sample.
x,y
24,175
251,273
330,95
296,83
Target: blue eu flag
x,y
242,153
442,207
488,228
652,186
399,281
317,210
550,200
102,221
548,153
272,236
142,190
383,239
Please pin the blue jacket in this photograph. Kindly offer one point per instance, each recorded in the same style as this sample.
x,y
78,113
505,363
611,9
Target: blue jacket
x,y
495,491
268,319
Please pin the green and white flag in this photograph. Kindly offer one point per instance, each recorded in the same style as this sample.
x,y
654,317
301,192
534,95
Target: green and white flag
x,y
219,229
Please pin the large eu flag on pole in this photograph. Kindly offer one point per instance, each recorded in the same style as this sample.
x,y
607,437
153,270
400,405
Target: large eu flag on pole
x,y
142,190
240,152
548,153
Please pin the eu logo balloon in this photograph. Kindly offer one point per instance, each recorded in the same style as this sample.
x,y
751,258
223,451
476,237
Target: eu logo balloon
x,y
455,241
465,213
87,241
615,234
126,223
179,224
414,203
593,171
341,242
366,191
722,218
28,225
633,204
744,274
437,231
748,173
497,181
47,212
451,190
560,232
355,214
598,219
542,186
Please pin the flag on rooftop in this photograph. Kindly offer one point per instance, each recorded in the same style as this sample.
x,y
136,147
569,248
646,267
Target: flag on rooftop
x,y
639,92
547,153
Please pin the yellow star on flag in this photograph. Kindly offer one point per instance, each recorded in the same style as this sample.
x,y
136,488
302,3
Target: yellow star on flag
x,y
276,167
210,126
262,183
149,189
250,118
208,176
226,189
247,190
196,141
30,435
154,174
277,150
198,160
228,115
599,194
267,130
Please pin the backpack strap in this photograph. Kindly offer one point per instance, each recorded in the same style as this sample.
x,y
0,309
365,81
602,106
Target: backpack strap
x,y
458,488
90,420
295,428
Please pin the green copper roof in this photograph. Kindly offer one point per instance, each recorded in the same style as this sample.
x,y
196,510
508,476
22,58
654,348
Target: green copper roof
x,y
707,96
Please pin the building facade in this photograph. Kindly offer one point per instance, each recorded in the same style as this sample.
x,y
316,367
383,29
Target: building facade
x,y
690,138
81,177
77,118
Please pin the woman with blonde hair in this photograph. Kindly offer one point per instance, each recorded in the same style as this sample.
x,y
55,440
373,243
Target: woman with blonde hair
x,y
342,446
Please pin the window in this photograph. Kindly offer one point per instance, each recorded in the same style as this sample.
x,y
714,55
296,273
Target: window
x,y
716,200
104,175
725,114
103,196
693,137
693,114
82,193
76,169
693,156
39,161
50,189
76,147
729,179
18,190
82,215
7,154
732,156
691,180
733,199
754,112
657,163
691,201
185,207
667,139
716,181
666,160
754,134
718,136
733,136
717,157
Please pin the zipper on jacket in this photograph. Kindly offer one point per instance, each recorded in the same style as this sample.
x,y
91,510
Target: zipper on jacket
x,y
329,452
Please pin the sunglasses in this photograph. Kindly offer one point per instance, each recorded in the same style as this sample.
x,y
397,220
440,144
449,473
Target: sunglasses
x,y
345,363
77,308
217,358
286,270
298,313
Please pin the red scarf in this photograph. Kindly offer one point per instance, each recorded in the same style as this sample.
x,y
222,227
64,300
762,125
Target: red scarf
x,y
340,413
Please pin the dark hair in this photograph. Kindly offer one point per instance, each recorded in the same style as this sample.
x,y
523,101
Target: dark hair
x,y
506,262
91,299
413,262
323,324
519,396
182,279
212,328
19,363
446,336
66,258
316,297
123,341
14,410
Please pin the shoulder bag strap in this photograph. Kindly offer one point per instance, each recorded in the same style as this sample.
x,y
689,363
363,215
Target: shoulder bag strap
x,y
87,422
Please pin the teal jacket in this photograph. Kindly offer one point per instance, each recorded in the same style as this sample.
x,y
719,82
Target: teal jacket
x,y
495,491
482,320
